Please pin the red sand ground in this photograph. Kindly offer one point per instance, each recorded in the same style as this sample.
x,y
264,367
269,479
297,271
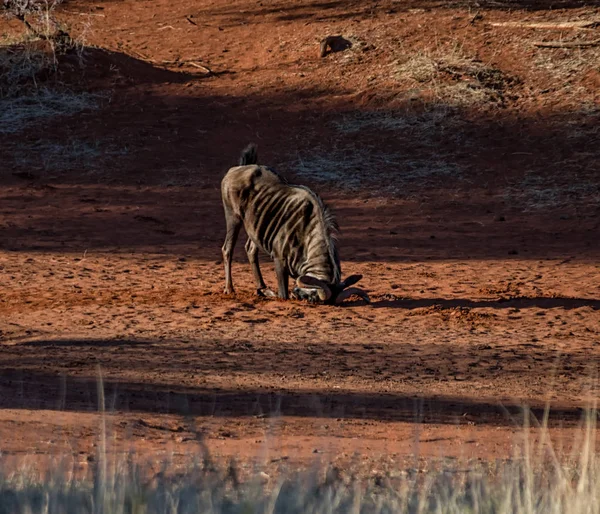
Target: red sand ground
x,y
480,304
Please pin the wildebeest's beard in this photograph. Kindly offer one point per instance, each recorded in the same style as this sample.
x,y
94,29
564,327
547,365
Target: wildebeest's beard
x,y
317,291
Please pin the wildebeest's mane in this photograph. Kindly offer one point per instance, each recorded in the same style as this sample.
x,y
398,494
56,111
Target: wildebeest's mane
x,y
250,156
331,229
277,174
329,220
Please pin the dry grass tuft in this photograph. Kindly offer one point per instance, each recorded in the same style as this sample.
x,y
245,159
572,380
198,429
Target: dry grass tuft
x,y
389,173
420,68
23,62
536,192
424,128
447,75
567,68
53,156
536,479
29,89
28,93
19,112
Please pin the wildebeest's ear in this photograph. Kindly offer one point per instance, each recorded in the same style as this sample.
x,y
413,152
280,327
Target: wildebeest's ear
x,y
350,281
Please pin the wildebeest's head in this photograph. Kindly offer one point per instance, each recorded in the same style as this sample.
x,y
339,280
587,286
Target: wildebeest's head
x,y
315,290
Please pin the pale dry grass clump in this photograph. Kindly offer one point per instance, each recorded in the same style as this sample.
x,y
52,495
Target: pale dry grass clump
x,y
420,67
408,122
536,192
448,76
21,111
420,129
26,94
567,64
389,173
21,63
77,154
534,481
29,61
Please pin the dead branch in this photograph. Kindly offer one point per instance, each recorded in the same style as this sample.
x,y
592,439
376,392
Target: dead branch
x,y
478,16
22,19
176,62
560,25
201,66
566,44
84,13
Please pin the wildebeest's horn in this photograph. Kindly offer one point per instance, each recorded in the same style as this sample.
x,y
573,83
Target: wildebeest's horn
x,y
346,293
350,281
323,289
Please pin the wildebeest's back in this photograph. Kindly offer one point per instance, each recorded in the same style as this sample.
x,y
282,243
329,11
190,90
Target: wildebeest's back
x,y
284,221
241,184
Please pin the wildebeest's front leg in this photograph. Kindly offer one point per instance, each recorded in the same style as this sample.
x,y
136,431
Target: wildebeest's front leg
x,y
234,223
252,252
282,278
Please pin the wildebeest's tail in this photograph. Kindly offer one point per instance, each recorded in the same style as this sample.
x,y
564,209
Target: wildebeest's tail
x,y
249,155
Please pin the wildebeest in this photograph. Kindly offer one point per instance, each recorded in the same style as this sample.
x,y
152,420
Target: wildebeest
x,y
292,225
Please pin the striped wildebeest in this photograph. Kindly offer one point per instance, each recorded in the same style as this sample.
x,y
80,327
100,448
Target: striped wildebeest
x,y
292,225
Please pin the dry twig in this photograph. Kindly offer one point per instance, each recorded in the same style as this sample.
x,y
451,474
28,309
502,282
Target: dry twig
x,y
176,62
566,44
476,17
201,66
558,25
85,13
189,62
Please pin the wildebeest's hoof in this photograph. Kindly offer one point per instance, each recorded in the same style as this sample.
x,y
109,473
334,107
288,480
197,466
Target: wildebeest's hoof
x,y
266,293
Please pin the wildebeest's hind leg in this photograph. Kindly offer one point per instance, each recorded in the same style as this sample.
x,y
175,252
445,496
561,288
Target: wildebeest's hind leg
x,y
252,252
282,278
234,223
